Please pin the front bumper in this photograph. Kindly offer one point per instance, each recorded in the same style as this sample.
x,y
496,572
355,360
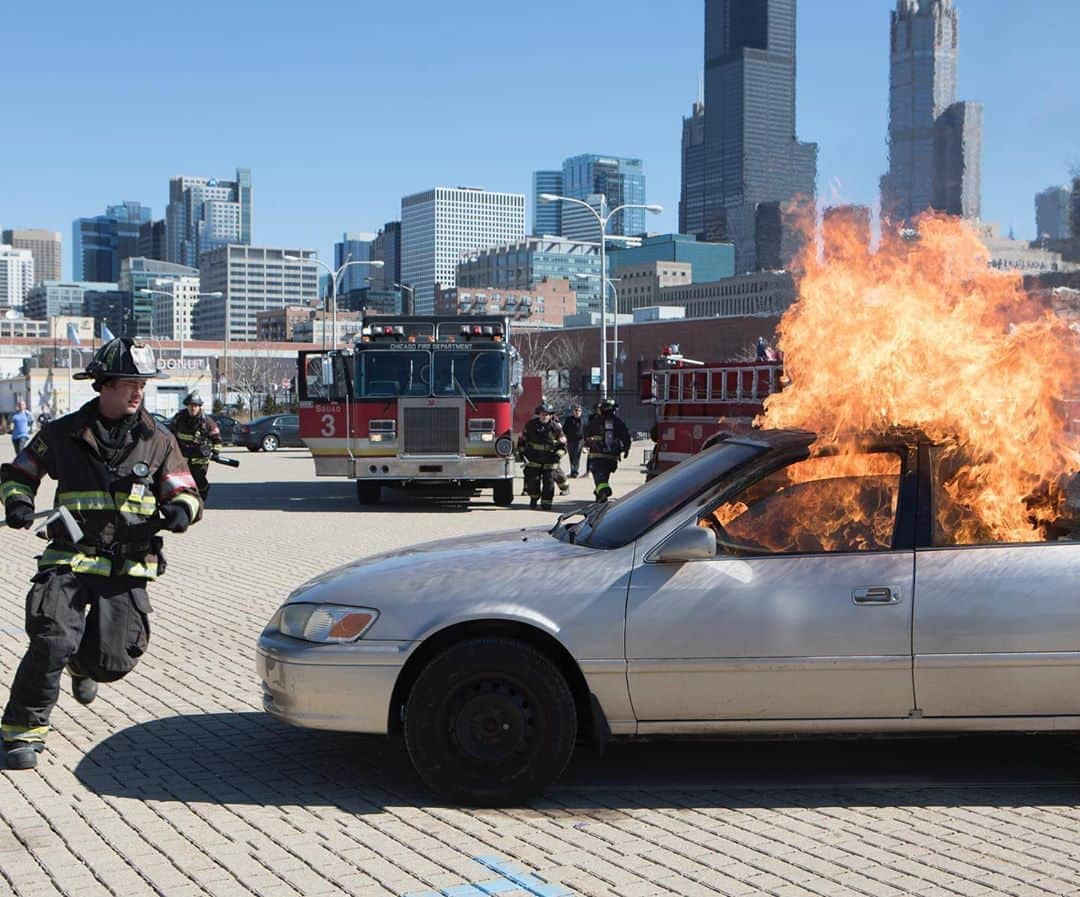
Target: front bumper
x,y
344,688
433,469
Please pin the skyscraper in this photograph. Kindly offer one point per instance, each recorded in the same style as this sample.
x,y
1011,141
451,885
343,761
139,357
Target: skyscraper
x,y
44,245
101,243
353,247
547,216
439,225
386,248
619,180
205,213
16,276
752,156
935,143
1051,213
692,197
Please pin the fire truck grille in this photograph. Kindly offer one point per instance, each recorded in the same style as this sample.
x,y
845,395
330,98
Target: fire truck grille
x,y
432,431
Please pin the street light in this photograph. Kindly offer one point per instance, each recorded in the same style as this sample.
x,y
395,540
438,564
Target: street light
x,y
610,281
334,275
183,324
412,296
602,220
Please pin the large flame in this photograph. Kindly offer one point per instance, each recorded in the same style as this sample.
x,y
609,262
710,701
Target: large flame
x,y
923,333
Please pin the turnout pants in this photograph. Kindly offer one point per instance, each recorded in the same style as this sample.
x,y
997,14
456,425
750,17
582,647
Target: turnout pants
x,y
97,625
602,467
199,473
540,482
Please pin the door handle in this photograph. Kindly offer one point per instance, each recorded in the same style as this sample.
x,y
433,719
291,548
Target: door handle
x,y
876,595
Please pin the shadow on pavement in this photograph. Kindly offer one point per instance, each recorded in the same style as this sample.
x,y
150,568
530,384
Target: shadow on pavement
x,y
248,758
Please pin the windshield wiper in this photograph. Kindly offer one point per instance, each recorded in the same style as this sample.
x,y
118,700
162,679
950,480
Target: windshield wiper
x,y
461,389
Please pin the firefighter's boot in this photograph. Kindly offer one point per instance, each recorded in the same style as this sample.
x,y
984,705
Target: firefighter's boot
x,y
83,688
564,487
533,501
545,506
22,754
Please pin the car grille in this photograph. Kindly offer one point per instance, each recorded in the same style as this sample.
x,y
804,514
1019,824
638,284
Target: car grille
x,y
432,431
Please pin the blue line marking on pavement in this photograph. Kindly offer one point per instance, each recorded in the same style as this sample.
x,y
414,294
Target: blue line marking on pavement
x,y
513,879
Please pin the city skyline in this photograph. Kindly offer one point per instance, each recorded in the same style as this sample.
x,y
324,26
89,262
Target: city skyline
x,y
316,189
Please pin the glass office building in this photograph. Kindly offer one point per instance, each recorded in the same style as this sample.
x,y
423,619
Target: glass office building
x,y
101,243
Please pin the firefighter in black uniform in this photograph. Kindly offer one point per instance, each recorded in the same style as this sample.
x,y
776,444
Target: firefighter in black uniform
x,y
199,437
123,479
606,437
541,445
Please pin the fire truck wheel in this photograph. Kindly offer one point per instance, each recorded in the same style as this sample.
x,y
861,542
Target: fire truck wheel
x,y
490,722
504,493
368,493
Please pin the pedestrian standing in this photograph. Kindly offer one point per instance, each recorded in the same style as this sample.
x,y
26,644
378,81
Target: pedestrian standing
x,y
122,478
22,424
574,431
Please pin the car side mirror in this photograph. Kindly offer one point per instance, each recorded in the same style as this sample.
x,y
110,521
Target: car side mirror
x,y
691,543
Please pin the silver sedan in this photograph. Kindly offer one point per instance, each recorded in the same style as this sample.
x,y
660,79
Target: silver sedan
x,y
763,587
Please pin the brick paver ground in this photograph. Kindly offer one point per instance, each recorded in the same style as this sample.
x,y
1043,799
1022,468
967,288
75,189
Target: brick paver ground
x,y
175,783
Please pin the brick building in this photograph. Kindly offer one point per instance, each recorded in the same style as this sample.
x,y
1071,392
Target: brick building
x,y
548,302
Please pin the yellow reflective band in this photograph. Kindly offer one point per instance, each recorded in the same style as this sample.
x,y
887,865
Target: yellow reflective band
x,y
76,560
191,503
139,569
143,506
86,501
198,462
186,437
14,487
23,733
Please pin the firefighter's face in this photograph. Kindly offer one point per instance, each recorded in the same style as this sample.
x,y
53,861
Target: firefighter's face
x,y
194,410
121,397
544,417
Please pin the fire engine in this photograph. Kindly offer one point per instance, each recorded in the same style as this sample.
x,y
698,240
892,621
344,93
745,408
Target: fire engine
x,y
696,401
417,400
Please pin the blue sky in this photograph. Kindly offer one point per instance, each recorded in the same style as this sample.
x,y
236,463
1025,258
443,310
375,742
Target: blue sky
x,y
341,108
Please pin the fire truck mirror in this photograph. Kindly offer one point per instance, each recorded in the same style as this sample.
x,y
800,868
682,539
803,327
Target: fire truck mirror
x,y
327,371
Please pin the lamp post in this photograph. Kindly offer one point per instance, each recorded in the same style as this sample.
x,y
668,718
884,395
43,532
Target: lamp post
x,y
602,219
184,318
610,282
334,276
412,297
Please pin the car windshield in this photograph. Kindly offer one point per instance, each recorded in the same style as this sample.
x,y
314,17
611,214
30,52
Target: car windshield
x,y
618,523
475,373
387,373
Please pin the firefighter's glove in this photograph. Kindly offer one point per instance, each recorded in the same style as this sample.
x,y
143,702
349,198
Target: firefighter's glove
x,y
626,454
176,517
19,515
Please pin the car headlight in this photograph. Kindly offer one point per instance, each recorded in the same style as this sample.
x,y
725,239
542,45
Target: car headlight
x,y
325,624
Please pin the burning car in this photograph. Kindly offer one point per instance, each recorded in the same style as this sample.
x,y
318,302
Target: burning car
x,y
774,584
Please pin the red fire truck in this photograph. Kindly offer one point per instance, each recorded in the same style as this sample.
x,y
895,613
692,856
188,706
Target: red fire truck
x,y
696,401
417,400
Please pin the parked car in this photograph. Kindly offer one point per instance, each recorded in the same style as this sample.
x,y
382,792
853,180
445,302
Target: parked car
x,y
228,426
160,419
762,587
269,433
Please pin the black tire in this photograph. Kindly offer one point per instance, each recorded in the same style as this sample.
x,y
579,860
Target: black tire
x,y
252,448
368,493
490,722
270,442
504,493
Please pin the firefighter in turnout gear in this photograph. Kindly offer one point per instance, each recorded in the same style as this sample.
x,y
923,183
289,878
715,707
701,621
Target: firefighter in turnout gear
x,y
123,479
606,438
541,445
199,438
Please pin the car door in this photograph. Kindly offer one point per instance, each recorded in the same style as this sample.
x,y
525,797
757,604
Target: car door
x,y
997,625
804,613
288,425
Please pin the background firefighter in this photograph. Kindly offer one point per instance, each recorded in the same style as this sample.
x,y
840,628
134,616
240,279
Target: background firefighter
x,y
541,445
199,437
606,437
122,478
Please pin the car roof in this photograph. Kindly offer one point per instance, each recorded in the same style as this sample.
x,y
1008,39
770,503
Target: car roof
x,y
789,439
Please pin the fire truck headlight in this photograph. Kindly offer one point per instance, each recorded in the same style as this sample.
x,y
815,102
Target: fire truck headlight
x,y
482,429
382,430
504,446
325,624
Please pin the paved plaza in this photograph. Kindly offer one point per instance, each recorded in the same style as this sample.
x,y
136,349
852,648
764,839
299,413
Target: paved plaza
x,y
175,783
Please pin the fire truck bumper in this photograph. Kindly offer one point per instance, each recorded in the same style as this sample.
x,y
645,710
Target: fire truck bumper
x,y
433,469
336,687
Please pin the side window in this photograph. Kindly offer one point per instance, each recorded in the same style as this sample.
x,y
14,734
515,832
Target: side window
x,y
311,379
836,503
965,514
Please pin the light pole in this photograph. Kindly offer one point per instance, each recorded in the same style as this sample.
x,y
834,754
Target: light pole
x,y
185,318
334,275
610,282
602,220
412,297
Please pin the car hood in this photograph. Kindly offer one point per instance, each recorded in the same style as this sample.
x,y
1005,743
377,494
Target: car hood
x,y
522,574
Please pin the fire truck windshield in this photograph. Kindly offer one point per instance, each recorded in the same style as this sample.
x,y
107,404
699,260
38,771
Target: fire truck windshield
x,y
388,373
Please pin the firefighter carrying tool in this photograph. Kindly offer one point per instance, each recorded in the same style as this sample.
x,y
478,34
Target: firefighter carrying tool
x,y
541,446
123,479
606,437
199,438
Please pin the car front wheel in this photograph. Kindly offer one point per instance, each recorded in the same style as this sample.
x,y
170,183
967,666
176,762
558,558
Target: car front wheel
x,y
491,722
270,443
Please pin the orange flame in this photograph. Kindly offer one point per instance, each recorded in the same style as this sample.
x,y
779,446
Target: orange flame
x,y
922,333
